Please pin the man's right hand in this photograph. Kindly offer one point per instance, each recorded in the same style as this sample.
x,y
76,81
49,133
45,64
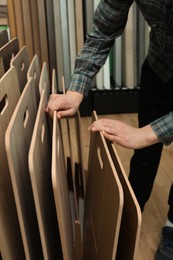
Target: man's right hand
x,y
65,104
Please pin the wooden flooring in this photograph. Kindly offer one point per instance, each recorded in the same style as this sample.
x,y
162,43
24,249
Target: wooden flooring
x,y
155,212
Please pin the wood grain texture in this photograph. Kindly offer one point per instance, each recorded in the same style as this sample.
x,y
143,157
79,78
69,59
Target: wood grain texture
x,y
10,236
103,204
8,52
40,174
11,19
35,28
61,193
21,63
19,22
131,218
43,28
27,23
17,142
34,72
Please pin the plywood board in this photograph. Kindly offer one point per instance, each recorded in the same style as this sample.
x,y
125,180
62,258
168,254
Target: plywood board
x,y
3,37
103,203
11,19
44,82
21,63
61,193
51,35
19,22
131,217
7,53
40,174
27,23
35,28
34,72
43,28
17,142
58,42
10,236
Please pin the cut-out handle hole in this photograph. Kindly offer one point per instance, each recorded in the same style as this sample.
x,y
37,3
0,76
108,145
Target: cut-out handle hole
x,y
25,117
3,104
22,65
42,132
100,157
35,75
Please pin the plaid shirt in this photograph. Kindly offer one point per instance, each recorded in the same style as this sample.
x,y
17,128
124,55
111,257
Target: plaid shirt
x,y
109,22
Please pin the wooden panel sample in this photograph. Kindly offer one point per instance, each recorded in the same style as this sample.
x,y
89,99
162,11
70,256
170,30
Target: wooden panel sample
x,y
43,31
40,174
54,82
17,142
27,23
19,22
11,19
10,236
3,37
7,53
35,28
44,82
51,35
131,217
34,72
21,63
61,193
103,204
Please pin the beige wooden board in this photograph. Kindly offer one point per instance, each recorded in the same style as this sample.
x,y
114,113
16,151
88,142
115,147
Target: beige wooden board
x,y
44,82
10,236
17,142
3,37
54,82
61,193
7,53
11,19
79,24
40,173
131,217
27,23
21,63
35,28
34,72
103,204
43,31
18,14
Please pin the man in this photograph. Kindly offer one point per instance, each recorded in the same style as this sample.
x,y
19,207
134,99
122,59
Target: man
x,y
156,88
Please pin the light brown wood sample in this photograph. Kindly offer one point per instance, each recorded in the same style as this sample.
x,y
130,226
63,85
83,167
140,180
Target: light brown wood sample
x,y
7,53
131,217
44,82
3,37
11,19
17,141
27,23
61,193
11,244
21,63
103,203
18,14
34,72
40,173
35,28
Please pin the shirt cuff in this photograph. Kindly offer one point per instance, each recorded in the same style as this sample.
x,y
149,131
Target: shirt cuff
x,y
163,128
80,83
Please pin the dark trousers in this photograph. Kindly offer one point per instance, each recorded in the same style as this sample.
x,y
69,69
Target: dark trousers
x,y
156,100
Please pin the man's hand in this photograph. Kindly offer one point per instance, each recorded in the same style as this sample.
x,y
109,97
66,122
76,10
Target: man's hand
x,y
125,135
65,104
